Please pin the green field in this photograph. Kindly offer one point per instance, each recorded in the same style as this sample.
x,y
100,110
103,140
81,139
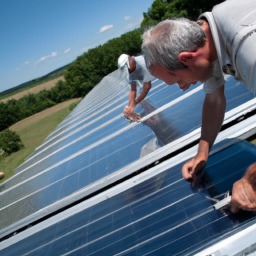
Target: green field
x,y
32,136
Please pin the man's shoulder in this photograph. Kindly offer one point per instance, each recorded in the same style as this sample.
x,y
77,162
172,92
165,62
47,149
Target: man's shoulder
x,y
236,7
235,21
140,59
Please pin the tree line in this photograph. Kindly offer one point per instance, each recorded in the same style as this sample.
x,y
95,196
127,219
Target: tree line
x,y
30,84
164,9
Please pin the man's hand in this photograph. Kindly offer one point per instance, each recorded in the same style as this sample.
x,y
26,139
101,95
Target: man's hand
x,y
244,192
134,116
194,167
129,109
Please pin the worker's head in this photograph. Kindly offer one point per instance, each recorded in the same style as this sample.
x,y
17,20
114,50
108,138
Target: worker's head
x,y
123,62
173,52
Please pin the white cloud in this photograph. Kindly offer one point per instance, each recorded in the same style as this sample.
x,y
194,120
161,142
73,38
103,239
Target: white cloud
x,y
25,63
127,17
17,69
66,51
105,28
53,54
133,24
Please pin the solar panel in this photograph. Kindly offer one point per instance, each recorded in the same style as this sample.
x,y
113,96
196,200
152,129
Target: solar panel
x,y
156,213
95,145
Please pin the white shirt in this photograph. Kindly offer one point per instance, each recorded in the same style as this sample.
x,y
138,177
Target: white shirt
x,y
233,22
141,72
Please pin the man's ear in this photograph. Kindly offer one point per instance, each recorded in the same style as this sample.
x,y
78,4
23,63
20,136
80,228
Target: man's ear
x,y
186,58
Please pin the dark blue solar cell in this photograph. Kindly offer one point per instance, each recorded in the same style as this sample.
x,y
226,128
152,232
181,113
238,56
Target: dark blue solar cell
x,y
163,215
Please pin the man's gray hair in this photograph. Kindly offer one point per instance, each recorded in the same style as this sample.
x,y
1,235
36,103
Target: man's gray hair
x,y
163,43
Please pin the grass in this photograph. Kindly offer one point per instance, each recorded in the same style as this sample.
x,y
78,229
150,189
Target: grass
x,y
33,131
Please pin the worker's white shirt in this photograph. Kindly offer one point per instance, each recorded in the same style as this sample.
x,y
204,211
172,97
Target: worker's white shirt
x,y
140,73
233,25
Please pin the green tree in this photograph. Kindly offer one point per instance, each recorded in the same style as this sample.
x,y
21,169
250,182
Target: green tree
x,y
10,141
92,66
163,9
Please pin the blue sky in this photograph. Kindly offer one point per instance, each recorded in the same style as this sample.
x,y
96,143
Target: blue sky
x,y
40,36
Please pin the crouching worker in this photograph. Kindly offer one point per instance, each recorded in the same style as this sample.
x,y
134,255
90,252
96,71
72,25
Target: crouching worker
x,y
137,74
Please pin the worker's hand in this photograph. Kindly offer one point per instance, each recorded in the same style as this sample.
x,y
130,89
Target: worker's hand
x,y
129,109
194,167
126,114
134,116
244,192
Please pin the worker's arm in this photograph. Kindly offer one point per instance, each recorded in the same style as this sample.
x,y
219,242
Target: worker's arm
x,y
128,112
212,118
143,94
244,192
132,96
132,102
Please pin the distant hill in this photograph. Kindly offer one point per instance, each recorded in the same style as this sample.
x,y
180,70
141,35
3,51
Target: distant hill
x,y
34,90
30,84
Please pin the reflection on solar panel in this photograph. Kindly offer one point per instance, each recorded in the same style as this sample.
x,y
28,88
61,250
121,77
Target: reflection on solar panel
x,y
155,214
95,146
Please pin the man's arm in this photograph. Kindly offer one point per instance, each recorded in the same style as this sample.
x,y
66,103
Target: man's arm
x,y
212,118
132,102
128,111
143,94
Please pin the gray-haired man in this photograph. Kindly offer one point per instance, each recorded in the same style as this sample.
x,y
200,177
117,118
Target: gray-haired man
x,y
184,52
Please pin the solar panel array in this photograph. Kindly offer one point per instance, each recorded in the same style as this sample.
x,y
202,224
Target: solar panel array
x,y
162,215
95,146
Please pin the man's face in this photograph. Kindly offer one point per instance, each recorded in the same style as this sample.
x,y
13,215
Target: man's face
x,y
183,77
